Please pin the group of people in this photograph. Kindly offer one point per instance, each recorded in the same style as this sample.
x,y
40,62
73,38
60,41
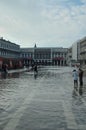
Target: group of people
x,y
76,75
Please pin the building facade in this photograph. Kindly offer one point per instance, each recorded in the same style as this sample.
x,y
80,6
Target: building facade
x,y
27,56
83,51
44,56
9,53
69,56
75,51
16,57
74,54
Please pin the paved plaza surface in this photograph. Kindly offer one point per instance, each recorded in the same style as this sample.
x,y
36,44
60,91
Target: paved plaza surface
x,y
47,101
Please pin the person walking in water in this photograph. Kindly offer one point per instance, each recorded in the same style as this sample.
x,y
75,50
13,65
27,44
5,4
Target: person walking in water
x,y
4,68
81,77
75,76
35,71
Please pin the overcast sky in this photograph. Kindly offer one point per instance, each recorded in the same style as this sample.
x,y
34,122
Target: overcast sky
x,y
48,23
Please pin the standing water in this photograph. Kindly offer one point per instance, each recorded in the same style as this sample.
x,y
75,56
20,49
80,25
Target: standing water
x,y
46,101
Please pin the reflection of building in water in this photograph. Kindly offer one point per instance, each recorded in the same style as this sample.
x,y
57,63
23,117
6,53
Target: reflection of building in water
x,y
13,75
44,55
9,75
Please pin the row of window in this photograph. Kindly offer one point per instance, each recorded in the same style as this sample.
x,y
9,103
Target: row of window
x,y
42,56
24,55
46,56
9,46
10,54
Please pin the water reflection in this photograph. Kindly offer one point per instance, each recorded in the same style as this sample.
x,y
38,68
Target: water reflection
x,y
77,92
9,75
35,75
3,75
81,90
44,102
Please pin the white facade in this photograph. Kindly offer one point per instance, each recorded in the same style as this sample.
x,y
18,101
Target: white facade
x,y
74,52
69,56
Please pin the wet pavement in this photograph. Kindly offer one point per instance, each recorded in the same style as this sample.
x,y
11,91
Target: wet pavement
x,y
43,102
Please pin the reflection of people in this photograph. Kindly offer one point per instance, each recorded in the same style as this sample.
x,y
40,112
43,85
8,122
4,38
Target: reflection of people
x,y
81,77
77,93
80,90
75,76
74,93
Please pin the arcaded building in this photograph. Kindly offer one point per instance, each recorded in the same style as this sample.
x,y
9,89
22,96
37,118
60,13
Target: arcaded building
x,y
9,53
44,55
16,57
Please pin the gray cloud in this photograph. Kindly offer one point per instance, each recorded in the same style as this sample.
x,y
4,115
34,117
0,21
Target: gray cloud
x,y
47,22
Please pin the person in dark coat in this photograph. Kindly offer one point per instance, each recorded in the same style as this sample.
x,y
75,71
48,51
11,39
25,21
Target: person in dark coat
x,y
4,68
81,77
35,71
